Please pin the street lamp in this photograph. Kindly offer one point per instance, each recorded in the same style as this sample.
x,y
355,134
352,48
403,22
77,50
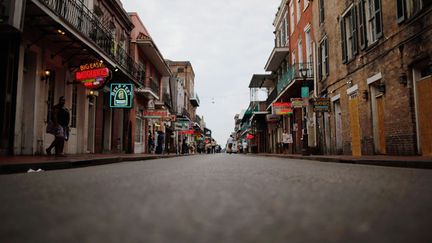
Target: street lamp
x,y
305,150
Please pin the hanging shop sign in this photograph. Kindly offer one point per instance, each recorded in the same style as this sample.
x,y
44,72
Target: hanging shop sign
x,y
182,125
282,108
305,91
272,118
321,105
296,103
187,132
121,95
92,75
250,136
155,114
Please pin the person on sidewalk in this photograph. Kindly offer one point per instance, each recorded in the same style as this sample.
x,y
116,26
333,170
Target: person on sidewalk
x,y
160,142
59,127
286,140
230,144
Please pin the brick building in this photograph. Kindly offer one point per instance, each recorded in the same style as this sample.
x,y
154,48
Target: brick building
x,y
376,69
292,69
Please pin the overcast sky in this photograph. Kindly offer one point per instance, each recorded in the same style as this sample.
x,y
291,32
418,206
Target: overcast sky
x,y
227,41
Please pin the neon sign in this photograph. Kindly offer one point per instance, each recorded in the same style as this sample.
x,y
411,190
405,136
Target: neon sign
x,y
92,75
121,96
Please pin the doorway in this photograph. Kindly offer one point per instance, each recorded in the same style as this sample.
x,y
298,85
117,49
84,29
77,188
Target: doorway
x,y
338,127
424,111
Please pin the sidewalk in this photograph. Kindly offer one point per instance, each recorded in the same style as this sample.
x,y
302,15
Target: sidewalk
x,y
21,164
421,162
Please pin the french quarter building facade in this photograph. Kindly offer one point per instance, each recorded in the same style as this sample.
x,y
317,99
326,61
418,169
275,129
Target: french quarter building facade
x,y
376,69
151,112
47,44
291,64
185,102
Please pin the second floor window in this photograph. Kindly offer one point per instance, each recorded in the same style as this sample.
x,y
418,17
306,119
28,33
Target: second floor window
x,y
323,63
321,11
407,8
349,35
370,22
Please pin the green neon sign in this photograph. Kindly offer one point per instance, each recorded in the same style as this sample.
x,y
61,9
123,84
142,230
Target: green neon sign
x,y
121,95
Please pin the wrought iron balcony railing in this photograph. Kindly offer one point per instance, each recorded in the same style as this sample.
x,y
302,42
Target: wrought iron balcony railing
x,y
296,71
88,24
271,97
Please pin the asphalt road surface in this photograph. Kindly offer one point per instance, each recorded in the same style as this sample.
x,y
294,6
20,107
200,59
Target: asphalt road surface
x,y
218,198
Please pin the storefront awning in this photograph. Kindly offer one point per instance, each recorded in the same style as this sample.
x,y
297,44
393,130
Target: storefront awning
x,y
276,57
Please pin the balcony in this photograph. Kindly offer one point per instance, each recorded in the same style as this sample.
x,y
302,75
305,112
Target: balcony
x,y
194,99
295,73
87,24
150,91
272,96
276,57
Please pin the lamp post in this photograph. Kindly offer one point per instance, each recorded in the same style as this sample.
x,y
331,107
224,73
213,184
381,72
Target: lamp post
x,y
305,150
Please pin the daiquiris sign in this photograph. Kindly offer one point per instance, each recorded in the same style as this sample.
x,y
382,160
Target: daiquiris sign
x,y
121,95
92,75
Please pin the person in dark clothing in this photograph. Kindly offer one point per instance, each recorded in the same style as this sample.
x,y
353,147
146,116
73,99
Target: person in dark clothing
x,y
59,127
160,142
150,143
185,147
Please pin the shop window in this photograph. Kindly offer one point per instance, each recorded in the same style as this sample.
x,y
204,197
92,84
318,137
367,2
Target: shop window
x,y
138,130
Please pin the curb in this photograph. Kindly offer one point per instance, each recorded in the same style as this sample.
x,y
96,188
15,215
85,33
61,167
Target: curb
x,y
75,163
375,162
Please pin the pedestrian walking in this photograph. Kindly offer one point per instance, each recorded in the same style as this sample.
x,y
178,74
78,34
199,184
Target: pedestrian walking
x,y
160,142
230,144
150,143
58,125
286,140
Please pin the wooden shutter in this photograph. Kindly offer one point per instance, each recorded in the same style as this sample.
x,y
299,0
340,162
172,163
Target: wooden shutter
x,y
400,10
344,42
362,25
327,57
354,30
378,19
320,64
321,11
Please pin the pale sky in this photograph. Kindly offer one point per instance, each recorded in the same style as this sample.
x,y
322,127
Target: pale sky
x,y
226,41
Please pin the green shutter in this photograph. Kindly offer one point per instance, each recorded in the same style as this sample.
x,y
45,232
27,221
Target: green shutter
x,y
362,25
378,19
320,64
354,30
327,57
344,43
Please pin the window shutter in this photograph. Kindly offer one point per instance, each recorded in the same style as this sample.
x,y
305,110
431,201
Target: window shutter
x,y
344,42
320,64
362,25
378,19
327,57
354,30
321,12
400,5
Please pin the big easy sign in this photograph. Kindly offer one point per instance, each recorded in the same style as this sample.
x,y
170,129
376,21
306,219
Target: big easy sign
x,y
92,75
